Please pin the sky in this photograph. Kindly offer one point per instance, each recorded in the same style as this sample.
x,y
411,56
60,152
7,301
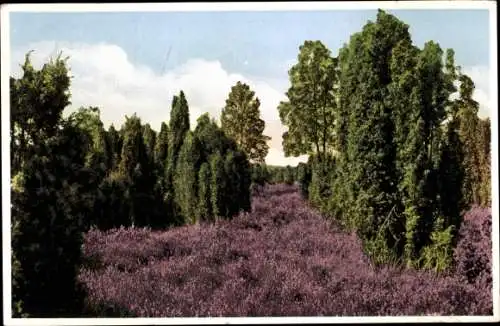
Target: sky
x,y
127,62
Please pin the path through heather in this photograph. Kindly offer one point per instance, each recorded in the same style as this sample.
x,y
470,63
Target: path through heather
x,y
282,259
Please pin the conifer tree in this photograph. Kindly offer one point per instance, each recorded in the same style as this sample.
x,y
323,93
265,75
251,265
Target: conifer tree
x,y
179,126
149,136
484,149
304,178
217,185
134,167
204,202
237,184
161,147
185,179
47,200
115,146
367,195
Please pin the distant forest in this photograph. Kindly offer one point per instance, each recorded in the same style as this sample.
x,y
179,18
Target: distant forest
x,y
397,154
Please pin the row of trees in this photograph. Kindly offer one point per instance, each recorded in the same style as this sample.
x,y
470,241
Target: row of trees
x,y
69,174
397,151
269,174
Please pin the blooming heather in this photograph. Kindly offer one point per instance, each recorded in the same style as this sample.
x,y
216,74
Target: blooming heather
x,y
280,259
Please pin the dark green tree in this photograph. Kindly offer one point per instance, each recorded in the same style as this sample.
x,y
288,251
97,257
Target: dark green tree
x,y
185,180
484,149
289,175
149,136
236,192
179,126
217,185
115,147
49,220
50,183
367,164
161,147
36,104
97,158
304,178
204,201
211,138
136,169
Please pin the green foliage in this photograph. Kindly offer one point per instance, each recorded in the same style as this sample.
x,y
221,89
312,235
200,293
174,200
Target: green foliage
x,y
279,174
48,219
309,112
179,125
211,138
36,105
115,142
136,170
260,175
185,180
439,254
113,208
472,135
204,203
304,176
237,190
161,147
217,185
321,173
71,174
401,144
367,168
484,149
149,137
240,120
48,195
289,176
133,148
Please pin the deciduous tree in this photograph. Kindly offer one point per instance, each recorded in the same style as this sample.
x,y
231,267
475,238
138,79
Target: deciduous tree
x,y
241,121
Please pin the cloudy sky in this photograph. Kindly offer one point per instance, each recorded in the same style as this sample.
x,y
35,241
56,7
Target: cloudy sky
x,y
135,62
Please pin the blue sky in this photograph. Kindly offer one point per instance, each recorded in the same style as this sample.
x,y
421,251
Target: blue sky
x,y
264,39
256,46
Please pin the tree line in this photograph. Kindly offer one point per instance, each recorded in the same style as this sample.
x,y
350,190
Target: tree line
x,y
70,174
397,150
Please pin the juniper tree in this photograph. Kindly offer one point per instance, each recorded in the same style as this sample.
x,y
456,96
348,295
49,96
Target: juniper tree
x,y
135,167
367,174
36,104
217,185
204,200
484,149
48,200
237,184
149,137
161,147
178,128
185,179
115,146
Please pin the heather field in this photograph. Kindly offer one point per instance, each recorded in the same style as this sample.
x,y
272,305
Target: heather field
x,y
282,259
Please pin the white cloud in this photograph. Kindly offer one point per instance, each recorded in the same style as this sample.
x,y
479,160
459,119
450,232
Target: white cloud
x,y
103,76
